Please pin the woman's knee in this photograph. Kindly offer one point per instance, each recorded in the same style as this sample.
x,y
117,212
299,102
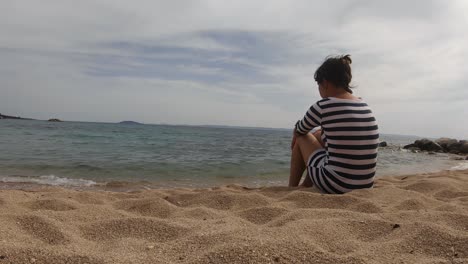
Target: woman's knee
x,y
318,136
307,145
308,138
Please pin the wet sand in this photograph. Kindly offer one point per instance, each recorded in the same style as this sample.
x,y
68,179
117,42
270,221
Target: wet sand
x,y
403,219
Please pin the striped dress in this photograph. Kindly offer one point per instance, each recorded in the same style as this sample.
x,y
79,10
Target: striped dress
x,y
351,138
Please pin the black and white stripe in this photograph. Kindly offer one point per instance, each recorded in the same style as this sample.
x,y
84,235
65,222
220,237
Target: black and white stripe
x,y
351,138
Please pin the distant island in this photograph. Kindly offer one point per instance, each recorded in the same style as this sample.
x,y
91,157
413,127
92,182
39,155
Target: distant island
x,y
13,117
21,118
130,123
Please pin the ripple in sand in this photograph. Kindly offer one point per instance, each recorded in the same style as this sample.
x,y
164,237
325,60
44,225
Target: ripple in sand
x,y
89,198
449,194
262,215
41,229
156,207
411,204
53,205
456,221
218,200
200,243
371,230
273,252
433,240
446,208
151,229
366,207
14,256
425,186
200,213
317,218
313,200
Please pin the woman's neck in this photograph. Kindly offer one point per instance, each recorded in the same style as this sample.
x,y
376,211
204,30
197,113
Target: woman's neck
x,y
341,93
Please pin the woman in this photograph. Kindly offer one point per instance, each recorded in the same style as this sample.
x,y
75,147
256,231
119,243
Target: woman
x,y
342,155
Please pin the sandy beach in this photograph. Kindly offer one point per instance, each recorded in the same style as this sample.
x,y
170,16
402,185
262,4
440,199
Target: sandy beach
x,y
405,219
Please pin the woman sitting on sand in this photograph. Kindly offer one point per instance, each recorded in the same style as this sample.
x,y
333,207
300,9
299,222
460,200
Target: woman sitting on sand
x,y
342,155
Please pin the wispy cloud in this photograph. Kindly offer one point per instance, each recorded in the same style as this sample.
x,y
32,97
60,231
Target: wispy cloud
x,y
241,63
230,57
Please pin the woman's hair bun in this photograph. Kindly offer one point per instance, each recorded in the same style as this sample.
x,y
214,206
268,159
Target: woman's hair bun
x,y
337,70
346,59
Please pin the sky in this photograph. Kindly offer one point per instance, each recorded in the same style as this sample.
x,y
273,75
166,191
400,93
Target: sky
x,y
238,63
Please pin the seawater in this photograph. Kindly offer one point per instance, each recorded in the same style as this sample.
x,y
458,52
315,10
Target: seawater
x,y
84,154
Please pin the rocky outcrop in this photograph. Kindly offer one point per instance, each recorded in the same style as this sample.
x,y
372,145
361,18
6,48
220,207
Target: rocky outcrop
x,y
383,144
428,145
412,147
453,145
54,120
440,145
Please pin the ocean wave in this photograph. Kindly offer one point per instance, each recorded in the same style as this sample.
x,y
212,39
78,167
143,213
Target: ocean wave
x,y
461,166
48,180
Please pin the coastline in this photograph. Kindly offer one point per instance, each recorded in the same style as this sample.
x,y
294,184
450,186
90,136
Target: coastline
x,y
421,218
21,182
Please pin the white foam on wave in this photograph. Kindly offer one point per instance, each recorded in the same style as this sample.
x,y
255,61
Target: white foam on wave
x,y
48,180
461,166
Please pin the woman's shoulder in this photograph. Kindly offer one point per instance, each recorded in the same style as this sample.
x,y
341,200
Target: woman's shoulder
x,y
326,99
332,100
349,99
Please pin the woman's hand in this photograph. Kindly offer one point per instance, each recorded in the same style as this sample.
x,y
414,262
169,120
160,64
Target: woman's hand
x,y
318,134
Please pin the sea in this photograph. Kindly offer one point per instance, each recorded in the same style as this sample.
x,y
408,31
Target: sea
x,y
85,154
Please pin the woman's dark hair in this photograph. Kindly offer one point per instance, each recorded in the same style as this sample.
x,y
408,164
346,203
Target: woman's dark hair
x,y
336,70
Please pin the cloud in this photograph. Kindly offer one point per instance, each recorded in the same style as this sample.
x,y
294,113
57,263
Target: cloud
x,y
238,56
240,63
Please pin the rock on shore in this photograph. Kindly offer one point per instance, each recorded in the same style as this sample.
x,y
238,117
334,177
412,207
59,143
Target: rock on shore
x,y
440,145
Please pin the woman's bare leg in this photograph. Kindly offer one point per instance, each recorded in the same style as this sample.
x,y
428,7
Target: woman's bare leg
x,y
307,182
318,136
297,166
304,147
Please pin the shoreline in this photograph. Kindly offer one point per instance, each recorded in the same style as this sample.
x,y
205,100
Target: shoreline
x,y
16,182
418,218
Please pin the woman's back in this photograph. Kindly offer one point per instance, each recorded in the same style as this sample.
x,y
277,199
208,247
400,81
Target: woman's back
x,y
351,138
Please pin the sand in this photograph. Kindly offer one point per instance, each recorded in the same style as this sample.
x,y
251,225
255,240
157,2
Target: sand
x,y
405,219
